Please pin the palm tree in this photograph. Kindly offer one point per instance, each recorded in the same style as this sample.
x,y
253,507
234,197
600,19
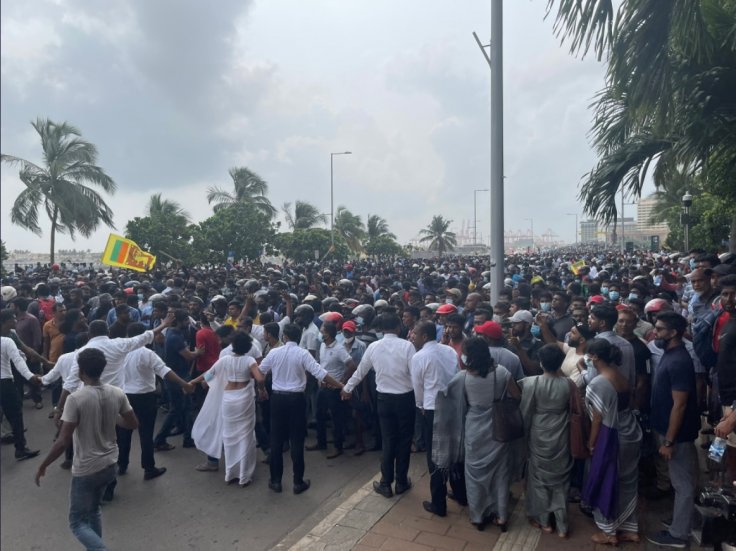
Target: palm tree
x,y
305,215
248,187
350,227
377,227
440,239
165,208
61,186
668,94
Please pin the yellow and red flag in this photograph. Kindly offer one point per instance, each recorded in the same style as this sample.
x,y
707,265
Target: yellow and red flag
x,y
575,266
124,253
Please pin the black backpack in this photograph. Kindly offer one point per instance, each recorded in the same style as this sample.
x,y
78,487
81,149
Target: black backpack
x,y
702,329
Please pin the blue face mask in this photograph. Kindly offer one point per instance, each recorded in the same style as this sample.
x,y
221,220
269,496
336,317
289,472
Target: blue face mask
x,y
657,281
604,291
359,321
589,362
320,337
536,331
614,295
693,263
633,296
545,306
464,359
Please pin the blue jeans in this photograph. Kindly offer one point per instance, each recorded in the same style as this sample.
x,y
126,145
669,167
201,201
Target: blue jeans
x,y
180,413
85,498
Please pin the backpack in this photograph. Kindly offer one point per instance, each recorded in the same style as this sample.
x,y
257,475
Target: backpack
x,y
702,329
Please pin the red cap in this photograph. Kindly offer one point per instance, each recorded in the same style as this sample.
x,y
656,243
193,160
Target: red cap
x,y
490,329
596,299
447,309
55,267
129,290
349,326
622,307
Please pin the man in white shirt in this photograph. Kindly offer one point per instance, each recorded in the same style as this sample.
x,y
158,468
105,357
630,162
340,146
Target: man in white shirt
x,y
390,358
289,365
12,406
336,360
141,367
432,367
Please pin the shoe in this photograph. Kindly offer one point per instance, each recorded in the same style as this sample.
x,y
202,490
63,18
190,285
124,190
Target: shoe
x,y
274,486
176,431
51,414
154,473
664,539
383,489
360,450
207,466
245,484
431,509
314,448
109,494
266,460
66,464
667,522
122,470
38,405
188,443
165,447
453,497
586,509
335,454
302,487
602,538
401,488
25,453
629,537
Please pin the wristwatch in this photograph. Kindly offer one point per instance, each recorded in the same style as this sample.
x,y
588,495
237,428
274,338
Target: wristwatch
x,y
668,443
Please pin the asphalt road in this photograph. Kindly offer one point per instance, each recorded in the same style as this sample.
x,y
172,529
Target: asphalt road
x,y
183,509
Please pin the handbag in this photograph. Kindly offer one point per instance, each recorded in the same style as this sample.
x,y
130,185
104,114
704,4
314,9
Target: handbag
x,y
579,425
508,424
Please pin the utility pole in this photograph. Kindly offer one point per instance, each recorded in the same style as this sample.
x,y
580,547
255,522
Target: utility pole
x,y
475,215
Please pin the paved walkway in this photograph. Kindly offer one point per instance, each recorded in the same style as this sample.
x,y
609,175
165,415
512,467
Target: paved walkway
x,y
367,521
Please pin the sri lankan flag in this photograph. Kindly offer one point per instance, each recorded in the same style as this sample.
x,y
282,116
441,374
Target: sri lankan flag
x,y
124,253
575,266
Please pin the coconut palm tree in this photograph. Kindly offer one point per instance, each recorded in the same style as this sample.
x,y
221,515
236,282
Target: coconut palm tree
x,y
304,216
669,92
351,228
377,227
248,187
62,185
440,239
165,208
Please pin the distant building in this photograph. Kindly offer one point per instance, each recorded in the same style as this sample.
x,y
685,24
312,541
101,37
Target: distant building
x,y
645,228
589,231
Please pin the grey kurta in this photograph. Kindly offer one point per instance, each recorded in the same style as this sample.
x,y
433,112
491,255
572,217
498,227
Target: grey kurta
x,y
545,404
487,475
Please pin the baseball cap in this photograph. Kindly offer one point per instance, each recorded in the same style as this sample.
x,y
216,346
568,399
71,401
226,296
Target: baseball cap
x,y
349,326
490,329
218,298
522,315
447,309
596,299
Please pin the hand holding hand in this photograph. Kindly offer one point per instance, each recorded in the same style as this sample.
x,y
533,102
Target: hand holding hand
x,y
345,395
666,452
188,388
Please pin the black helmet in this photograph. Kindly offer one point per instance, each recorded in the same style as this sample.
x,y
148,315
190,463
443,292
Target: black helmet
x,y
365,311
252,285
305,313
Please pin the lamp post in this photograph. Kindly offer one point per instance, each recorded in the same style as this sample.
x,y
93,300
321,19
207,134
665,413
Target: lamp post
x,y
475,215
575,214
332,196
532,221
687,201
623,222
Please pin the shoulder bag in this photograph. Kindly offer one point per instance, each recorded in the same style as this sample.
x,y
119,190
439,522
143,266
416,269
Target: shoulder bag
x,y
508,424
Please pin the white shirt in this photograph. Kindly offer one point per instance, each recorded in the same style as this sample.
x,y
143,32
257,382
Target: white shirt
x,y
141,367
333,358
432,367
310,338
115,351
62,368
390,358
255,352
10,353
288,365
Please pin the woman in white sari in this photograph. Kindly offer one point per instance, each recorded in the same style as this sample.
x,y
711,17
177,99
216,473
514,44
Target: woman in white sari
x,y
230,406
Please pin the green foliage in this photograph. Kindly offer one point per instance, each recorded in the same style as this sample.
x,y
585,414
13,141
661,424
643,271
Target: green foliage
x,y
62,186
382,246
241,228
3,257
301,244
305,215
248,187
350,227
438,235
167,238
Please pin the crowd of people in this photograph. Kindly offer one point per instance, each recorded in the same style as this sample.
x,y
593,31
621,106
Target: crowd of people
x,y
399,356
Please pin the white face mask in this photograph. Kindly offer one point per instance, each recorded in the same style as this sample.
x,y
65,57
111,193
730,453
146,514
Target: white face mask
x,y
449,301
464,359
497,318
349,340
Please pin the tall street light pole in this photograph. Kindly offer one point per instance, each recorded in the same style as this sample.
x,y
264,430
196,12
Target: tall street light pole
x,y
532,222
332,196
575,214
687,201
475,215
497,221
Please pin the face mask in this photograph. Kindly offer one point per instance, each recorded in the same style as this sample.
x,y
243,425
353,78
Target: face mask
x,y
349,340
545,306
657,281
449,301
633,296
320,337
359,320
379,334
589,362
464,359
497,318
614,295
693,263
536,331
141,298
661,343
604,290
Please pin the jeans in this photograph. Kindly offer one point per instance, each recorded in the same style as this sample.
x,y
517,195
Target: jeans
x,y
396,417
288,423
145,407
180,414
85,498
683,474
329,399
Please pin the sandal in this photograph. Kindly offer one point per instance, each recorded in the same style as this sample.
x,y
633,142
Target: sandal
x,y
604,539
630,537
545,529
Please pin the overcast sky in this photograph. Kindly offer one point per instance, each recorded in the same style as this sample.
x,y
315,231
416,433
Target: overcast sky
x,y
174,95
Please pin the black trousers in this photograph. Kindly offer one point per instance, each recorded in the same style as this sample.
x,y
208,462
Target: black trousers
x,y
329,399
12,407
145,407
438,479
396,417
288,423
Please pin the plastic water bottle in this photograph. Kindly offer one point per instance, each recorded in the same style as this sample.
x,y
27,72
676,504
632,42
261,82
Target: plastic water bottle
x,y
717,450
